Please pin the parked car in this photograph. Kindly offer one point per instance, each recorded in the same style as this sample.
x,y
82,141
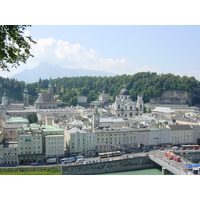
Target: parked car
x,y
35,163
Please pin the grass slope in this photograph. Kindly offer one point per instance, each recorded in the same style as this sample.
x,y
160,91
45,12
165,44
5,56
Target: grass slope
x,y
31,171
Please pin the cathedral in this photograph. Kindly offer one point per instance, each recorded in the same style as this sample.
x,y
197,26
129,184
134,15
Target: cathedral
x,y
46,100
125,107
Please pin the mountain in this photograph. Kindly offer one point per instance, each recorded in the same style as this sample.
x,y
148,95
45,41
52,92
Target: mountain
x,y
46,70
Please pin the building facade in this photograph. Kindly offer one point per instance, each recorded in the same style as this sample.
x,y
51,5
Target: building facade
x,y
54,146
125,107
104,98
10,153
30,143
46,100
10,128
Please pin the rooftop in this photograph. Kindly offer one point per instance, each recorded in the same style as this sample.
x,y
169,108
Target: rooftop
x,y
17,120
50,136
180,127
44,128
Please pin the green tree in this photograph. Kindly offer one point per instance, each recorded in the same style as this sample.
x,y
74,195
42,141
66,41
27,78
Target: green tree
x,y
32,118
14,47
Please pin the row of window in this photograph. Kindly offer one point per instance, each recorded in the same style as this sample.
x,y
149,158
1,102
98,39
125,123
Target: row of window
x,y
55,138
55,147
30,138
29,152
55,142
55,152
29,147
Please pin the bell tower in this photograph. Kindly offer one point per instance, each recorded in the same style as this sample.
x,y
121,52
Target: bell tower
x,y
26,96
50,89
96,118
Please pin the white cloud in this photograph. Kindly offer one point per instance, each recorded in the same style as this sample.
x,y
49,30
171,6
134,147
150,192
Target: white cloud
x,y
76,56
64,54
119,66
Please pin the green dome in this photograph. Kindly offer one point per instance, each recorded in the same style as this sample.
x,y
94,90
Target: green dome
x,y
5,98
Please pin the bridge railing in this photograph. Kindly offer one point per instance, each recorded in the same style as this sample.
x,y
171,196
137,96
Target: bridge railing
x,y
172,168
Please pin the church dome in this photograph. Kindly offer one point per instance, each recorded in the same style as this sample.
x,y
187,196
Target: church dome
x,y
5,98
124,91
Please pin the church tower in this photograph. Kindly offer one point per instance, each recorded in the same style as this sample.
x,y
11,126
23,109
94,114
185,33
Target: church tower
x,y
50,89
140,103
4,100
26,96
96,119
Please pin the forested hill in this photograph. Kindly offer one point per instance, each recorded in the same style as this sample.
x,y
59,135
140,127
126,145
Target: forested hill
x,y
149,84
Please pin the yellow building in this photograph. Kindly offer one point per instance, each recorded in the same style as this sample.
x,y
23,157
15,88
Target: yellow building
x,y
54,146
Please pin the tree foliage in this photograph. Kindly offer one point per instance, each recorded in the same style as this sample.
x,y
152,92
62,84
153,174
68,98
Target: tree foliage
x,y
150,85
14,47
32,118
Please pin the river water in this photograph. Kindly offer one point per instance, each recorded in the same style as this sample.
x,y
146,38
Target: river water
x,y
153,171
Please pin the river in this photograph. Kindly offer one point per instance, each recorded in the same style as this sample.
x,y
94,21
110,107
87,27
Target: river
x,y
153,171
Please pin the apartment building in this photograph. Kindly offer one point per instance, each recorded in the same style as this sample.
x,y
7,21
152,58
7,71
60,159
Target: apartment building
x,y
181,134
10,153
30,143
80,142
54,146
10,128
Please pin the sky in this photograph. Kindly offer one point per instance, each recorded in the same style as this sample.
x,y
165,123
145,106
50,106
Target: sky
x,y
126,38
119,49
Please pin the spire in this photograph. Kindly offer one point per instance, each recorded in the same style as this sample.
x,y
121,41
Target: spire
x,y
26,96
50,82
50,89
25,89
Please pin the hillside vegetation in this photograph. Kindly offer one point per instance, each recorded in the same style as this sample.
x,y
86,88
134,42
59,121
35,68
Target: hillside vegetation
x,y
150,85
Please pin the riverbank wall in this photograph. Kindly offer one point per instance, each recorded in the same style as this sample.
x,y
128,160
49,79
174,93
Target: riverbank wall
x,y
110,166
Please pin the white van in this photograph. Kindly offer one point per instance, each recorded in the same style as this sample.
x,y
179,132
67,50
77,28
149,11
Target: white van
x,y
80,160
175,148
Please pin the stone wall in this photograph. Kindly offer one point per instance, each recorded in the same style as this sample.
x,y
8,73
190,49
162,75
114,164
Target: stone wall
x,y
110,166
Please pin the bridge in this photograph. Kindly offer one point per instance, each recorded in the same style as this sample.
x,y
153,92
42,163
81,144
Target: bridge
x,y
176,168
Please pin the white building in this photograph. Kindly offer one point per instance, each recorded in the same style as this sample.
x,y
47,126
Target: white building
x,y
10,153
80,142
124,106
181,134
104,98
54,146
81,99
30,145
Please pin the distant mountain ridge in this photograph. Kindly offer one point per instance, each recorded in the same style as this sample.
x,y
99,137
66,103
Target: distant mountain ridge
x,y
46,70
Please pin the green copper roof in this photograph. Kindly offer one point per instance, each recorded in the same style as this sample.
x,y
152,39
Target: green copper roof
x,y
17,120
4,97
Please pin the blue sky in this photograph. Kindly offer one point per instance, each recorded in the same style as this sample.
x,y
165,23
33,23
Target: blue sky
x,y
120,49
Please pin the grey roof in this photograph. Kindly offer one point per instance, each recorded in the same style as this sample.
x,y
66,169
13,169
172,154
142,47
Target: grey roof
x,y
44,98
124,92
180,127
